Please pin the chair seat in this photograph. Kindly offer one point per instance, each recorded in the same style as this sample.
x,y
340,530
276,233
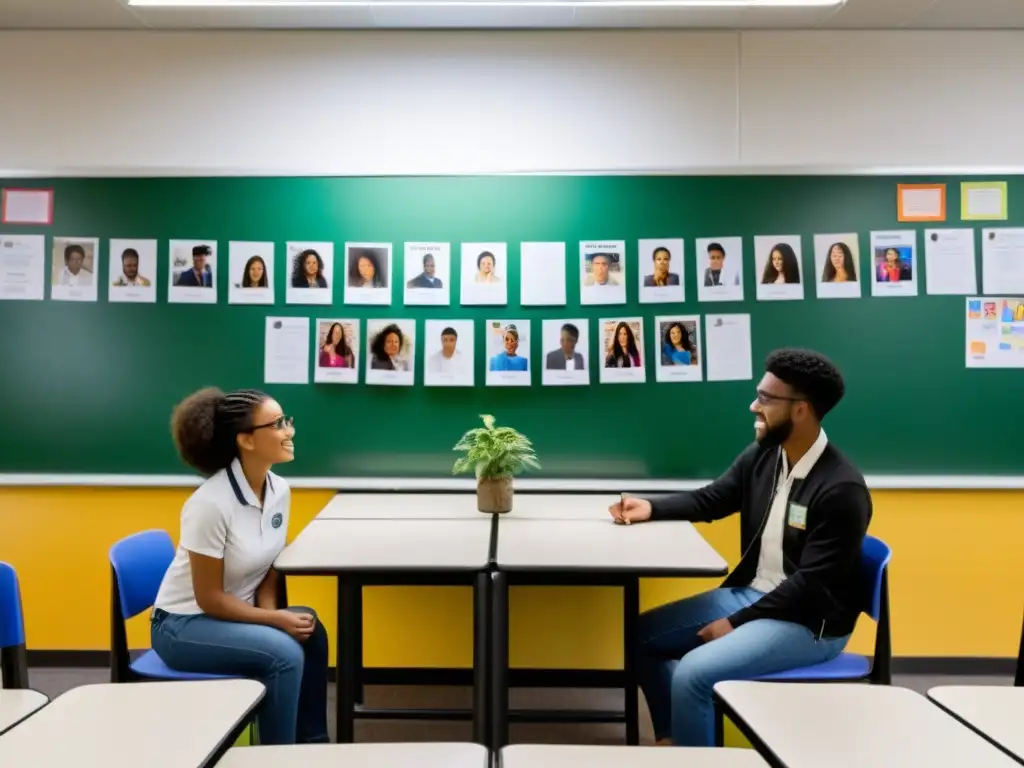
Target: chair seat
x,y
845,666
149,664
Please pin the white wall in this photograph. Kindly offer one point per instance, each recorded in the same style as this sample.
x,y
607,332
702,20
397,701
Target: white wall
x,y
440,102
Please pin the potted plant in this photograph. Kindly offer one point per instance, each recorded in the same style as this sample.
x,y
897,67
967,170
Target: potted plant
x,y
495,454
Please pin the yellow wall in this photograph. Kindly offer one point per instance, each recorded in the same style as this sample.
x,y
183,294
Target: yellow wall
x,y
956,581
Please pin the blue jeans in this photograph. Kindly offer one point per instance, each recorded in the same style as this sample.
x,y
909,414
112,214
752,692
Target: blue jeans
x,y
294,709
677,670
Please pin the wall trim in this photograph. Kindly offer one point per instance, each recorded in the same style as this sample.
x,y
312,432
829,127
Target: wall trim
x,y
526,484
559,678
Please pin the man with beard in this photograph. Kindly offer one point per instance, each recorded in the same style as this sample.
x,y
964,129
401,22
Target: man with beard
x,y
793,599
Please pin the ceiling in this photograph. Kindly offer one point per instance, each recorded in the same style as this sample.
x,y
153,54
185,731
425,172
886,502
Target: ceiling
x,y
854,14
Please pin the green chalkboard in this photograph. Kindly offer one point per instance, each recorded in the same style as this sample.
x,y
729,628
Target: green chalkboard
x,y
89,387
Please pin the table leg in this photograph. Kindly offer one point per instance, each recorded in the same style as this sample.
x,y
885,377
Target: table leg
x,y
481,658
345,685
358,644
499,661
630,614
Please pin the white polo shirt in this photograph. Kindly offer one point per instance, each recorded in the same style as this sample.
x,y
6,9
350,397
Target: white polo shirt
x,y
223,519
770,571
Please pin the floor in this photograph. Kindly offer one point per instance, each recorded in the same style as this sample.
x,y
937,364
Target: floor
x,y
53,681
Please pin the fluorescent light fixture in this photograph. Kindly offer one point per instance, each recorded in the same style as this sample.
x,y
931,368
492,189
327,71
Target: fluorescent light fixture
x,y
281,4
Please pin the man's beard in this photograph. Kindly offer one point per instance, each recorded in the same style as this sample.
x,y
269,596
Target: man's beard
x,y
776,434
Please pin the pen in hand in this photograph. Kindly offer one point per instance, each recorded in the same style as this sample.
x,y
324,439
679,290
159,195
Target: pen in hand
x,y
622,507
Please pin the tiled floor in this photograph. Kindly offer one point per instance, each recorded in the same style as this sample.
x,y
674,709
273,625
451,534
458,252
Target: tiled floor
x,y
55,681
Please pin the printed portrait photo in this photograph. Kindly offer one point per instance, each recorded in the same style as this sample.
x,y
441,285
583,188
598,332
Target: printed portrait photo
x,y
390,352
661,271
622,347
428,268
193,277
484,272
778,262
368,275
603,272
310,273
566,352
448,353
720,269
133,274
337,351
895,273
836,260
73,274
251,273
679,348
508,353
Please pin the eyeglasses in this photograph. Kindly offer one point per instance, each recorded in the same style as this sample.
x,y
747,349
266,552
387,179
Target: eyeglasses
x,y
765,398
282,422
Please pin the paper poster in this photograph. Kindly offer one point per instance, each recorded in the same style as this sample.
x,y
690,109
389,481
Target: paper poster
x,y
448,353
949,262
622,350
391,352
1002,261
728,348
894,263
720,269
368,273
661,268
484,273
428,273
603,272
310,273
542,274
679,355
193,272
75,268
778,261
250,273
22,267
566,348
920,202
133,276
336,351
836,266
508,353
26,206
286,351
983,200
995,332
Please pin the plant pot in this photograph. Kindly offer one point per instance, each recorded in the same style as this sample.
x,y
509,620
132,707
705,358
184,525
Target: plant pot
x,y
494,495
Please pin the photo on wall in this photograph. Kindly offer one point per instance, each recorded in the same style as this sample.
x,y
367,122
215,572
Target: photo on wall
x,y
448,353
661,268
391,352
719,269
336,351
22,267
894,259
484,273
603,272
368,273
74,268
250,273
310,273
777,263
837,266
542,274
508,353
428,269
193,272
133,274
622,347
679,353
566,352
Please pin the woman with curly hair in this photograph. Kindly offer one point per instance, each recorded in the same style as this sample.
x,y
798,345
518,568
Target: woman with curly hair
x,y
308,270
216,611
386,348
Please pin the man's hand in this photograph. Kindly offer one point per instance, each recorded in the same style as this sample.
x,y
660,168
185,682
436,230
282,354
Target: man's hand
x,y
630,510
715,630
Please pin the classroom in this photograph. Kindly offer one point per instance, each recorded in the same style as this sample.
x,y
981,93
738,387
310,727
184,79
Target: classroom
x,y
587,223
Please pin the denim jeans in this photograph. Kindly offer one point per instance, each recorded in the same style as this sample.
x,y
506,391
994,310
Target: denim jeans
x,y
294,709
677,670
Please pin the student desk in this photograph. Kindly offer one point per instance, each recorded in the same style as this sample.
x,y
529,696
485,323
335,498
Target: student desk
x,y
573,756
413,550
18,703
584,547
158,725
849,725
396,755
402,506
995,712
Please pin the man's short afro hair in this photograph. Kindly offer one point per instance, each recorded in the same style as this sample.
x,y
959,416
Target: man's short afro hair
x,y
811,374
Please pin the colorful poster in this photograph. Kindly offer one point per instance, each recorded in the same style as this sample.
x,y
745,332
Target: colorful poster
x,y
995,332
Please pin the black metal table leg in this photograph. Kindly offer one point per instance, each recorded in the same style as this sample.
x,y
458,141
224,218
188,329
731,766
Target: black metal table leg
x,y
499,661
481,658
630,613
345,686
358,643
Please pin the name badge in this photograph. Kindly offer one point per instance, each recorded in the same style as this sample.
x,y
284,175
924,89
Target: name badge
x,y
797,516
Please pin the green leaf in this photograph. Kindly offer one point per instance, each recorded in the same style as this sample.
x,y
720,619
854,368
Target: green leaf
x,y
491,451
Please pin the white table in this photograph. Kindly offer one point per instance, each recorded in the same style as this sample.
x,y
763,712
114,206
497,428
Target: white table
x,y
573,756
561,506
588,551
18,703
159,725
851,725
402,506
995,712
398,755
363,551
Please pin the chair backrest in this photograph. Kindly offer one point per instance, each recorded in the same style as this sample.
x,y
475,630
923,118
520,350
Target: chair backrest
x,y
12,621
139,563
875,556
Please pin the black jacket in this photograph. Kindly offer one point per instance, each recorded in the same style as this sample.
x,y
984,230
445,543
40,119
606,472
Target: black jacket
x,y
821,560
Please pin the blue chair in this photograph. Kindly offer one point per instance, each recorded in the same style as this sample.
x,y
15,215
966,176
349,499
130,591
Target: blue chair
x,y
852,667
13,657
